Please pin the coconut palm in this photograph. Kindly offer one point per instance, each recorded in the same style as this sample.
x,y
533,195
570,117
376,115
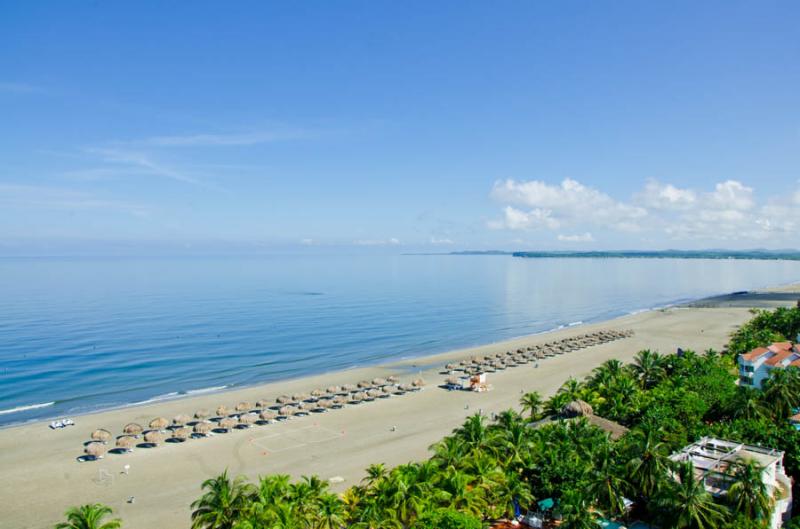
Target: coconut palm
x,y
223,504
571,388
606,373
531,403
607,485
688,505
577,512
648,467
748,495
89,517
782,391
647,366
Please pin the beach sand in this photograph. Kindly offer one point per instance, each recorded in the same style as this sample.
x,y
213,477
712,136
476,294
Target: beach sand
x,y
41,477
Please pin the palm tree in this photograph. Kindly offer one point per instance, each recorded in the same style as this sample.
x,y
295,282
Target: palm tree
x,y
330,513
782,391
687,503
606,372
748,494
474,432
576,511
532,402
89,517
647,366
607,486
648,467
223,504
572,388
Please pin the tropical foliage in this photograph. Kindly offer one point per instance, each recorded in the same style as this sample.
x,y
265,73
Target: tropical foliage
x,y
486,468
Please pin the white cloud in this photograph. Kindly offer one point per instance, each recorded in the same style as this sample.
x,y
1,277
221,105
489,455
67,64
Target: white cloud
x,y
307,242
567,204
144,161
377,242
728,213
436,240
585,237
666,196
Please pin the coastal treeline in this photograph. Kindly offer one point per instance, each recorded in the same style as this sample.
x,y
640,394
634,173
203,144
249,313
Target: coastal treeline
x,y
488,468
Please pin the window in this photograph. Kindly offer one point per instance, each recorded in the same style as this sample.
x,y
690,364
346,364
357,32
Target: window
x,y
745,380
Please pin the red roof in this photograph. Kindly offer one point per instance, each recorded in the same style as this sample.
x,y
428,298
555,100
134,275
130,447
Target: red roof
x,y
780,346
778,358
755,353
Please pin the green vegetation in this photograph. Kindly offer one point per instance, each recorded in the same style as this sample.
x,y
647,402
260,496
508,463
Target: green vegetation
x,y
476,474
89,517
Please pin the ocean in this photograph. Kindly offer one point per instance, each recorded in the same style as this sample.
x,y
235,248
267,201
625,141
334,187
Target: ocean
x,y
84,334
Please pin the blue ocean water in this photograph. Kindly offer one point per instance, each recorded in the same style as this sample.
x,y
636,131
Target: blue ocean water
x,y
81,334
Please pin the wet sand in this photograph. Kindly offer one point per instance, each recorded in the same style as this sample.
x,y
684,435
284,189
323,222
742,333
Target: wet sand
x,y
41,477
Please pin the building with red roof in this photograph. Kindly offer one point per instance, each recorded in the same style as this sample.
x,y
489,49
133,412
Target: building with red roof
x,y
755,366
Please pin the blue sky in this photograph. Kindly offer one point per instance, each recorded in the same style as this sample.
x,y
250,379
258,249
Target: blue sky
x,y
400,126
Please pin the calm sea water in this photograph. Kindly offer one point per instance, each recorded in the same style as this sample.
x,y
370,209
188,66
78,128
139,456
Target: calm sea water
x,y
83,334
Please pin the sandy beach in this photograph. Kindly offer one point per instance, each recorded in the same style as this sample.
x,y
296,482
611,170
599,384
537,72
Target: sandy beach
x,y
41,476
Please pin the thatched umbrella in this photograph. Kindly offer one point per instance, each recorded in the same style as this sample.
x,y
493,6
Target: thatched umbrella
x,y
180,420
153,437
267,415
286,411
159,423
318,393
244,406
305,407
96,450
374,393
126,442
451,367
202,414
203,428
418,383
452,381
406,387
299,397
393,379
357,397
388,390
378,382
261,404
132,428
323,405
227,423
333,390
248,419
284,399
222,411
101,435
181,433
349,388
339,401
576,408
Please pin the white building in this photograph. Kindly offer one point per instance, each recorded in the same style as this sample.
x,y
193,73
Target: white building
x,y
712,459
755,366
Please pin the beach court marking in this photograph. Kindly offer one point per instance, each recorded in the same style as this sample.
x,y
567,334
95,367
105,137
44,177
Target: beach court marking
x,y
297,437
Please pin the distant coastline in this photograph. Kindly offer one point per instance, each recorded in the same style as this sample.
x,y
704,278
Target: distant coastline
x,y
772,255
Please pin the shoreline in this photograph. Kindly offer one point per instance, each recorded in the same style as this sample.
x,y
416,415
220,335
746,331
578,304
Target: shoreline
x,y
43,477
386,363
422,358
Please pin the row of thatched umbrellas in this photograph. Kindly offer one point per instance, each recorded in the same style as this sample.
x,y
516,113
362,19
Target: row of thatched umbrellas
x,y
501,361
246,414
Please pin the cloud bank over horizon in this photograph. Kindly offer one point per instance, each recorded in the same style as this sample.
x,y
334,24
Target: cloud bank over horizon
x,y
728,214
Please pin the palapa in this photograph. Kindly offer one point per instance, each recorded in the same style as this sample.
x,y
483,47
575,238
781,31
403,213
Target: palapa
x,y
261,404
96,450
267,415
181,433
153,437
228,423
126,442
132,428
159,423
203,428
576,408
244,406
248,419
286,411
202,414
101,435
284,399
222,411
180,420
